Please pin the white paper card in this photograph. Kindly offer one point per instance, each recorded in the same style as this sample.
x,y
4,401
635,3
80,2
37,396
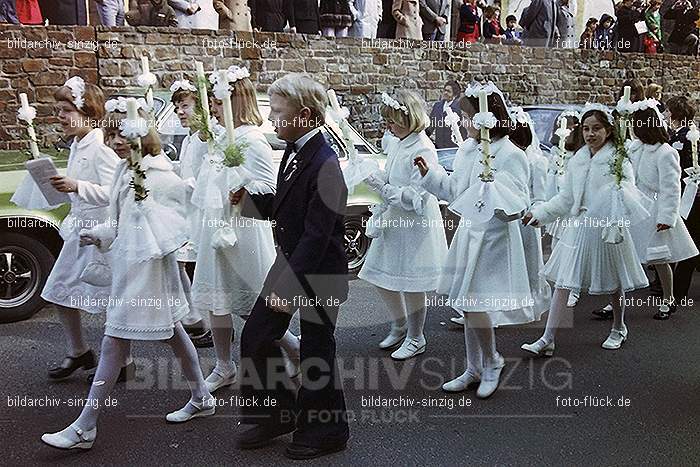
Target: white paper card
x,y
41,171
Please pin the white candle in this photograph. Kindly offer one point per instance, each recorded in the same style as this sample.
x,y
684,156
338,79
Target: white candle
x,y
563,125
149,92
132,113
485,136
694,146
30,127
228,109
626,94
144,64
333,99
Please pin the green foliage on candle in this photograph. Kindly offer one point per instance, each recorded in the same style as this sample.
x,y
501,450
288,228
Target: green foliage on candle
x,y
234,154
617,164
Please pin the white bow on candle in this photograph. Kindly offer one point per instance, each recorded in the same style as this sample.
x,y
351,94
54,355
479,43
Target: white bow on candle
x,y
28,113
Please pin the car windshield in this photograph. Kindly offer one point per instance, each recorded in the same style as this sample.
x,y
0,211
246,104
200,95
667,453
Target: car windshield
x,y
544,122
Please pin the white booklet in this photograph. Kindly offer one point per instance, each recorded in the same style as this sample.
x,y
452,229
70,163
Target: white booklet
x,y
41,171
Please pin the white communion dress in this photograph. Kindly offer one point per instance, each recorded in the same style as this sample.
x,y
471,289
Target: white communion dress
x,y
235,253
92,164
408,254
147,297
486,267
583,260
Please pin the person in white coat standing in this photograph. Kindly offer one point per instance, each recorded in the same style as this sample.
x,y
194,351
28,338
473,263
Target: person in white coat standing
x,y
589,255
662,238
406,257
88,179
366,15
486,273
199,14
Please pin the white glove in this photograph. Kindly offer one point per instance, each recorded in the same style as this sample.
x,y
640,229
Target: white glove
x,y
391,194
376,180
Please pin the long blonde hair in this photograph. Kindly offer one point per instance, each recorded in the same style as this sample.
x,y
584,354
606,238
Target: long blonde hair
x,y
416,119
245,103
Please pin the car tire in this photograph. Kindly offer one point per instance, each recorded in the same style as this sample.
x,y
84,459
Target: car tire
x,y
356,243
22,255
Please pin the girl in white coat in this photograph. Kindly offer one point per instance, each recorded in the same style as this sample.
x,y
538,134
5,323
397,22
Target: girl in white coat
x,y
406,258
88,179
193,152
234,253
147,299
583,259
485,276
663,237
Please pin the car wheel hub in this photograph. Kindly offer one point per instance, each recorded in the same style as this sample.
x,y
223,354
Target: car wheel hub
x,y
19,273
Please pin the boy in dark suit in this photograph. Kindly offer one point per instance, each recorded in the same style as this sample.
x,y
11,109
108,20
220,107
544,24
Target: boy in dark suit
x,y
309,274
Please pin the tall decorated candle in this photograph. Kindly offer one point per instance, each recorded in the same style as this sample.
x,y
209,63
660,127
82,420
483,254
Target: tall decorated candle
x,y
563,129
228,109
693,136
145,70
27,110
485,135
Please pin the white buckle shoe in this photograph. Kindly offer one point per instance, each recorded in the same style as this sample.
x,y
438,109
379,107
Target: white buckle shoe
x,y
395,337
461,382
615,339
490,378
62,439
192,410
218,379
409,349
539,348
572,301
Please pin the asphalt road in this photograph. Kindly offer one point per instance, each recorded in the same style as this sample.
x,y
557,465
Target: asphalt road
x,y
652,384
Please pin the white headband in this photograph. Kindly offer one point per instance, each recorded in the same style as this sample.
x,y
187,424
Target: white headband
x,y
182,85
393,103
520,116
475,88
77,90
647,104
601,108
119,104
233,73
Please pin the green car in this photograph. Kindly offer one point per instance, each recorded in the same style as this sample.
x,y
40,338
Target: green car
x,y
29,240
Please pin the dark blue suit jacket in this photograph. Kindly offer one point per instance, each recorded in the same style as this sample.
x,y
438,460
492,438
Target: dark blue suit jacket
x,y
308,214
443,133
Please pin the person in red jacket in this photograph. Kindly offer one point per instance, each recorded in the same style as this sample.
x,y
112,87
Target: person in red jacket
x,y
469,30
28,12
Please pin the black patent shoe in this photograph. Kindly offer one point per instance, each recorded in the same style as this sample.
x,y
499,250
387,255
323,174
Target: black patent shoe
x,y
127,373
85,361
203,340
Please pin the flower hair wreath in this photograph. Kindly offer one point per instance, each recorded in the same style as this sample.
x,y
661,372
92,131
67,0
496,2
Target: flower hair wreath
x,y
647,104
119,104
182,85
234,73
76,84
393,103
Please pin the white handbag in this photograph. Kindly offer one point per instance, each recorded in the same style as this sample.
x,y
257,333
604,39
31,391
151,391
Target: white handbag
x,y
97,273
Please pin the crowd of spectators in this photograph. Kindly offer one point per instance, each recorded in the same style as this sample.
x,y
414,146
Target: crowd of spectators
x,y
638,25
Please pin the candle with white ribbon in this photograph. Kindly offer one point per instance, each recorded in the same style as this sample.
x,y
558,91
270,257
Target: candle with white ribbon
x,y
30,127
146,69
333,99
201,85
485,135
228,109
626,96
132,113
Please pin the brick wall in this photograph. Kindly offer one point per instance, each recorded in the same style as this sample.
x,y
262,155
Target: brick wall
x,y
358,70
